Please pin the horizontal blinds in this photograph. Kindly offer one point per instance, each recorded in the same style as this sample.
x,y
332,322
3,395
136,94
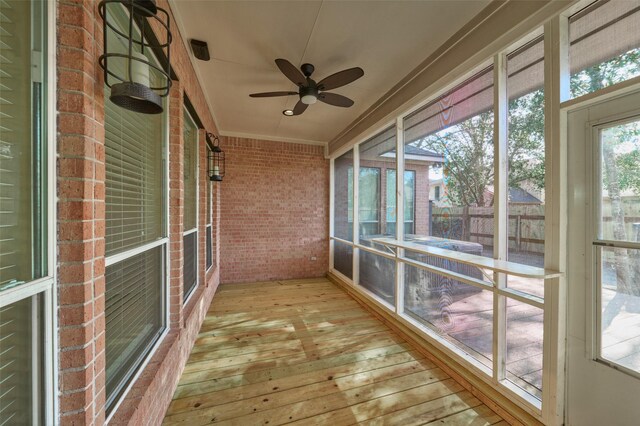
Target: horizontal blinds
x,y
16,151
134,178
190,263
133,312
209,247
190,136
16,354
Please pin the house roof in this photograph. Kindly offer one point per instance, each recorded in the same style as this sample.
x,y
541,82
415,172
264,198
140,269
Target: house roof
x,y
414,150
519,195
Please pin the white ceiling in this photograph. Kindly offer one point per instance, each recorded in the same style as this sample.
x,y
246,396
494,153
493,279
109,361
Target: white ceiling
x,y
387,39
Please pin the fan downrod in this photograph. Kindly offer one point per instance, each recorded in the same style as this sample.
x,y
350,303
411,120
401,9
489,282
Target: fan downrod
x,y
307,69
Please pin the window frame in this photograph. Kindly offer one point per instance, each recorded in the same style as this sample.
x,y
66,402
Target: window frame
x,y
166,255
46,286
196,149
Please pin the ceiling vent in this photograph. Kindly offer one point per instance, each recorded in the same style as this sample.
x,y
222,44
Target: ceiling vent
x,y
200,49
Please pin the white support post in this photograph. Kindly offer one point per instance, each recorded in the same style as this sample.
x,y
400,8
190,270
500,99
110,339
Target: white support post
x,y
500,209
356,215
332,194
556,90
399,213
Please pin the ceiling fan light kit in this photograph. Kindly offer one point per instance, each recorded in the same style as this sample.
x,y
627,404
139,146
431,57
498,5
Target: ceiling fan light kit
x,y
309,91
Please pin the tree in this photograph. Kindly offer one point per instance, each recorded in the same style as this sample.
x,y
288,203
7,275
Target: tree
x,y
468,150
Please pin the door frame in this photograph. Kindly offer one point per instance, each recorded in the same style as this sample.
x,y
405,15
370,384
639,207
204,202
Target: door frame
x,y
586,192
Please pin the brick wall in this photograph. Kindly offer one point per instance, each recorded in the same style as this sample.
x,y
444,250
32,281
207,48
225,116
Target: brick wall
x,y
81,230
274,211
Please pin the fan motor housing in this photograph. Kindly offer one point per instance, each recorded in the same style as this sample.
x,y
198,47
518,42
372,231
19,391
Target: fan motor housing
x,y
309,90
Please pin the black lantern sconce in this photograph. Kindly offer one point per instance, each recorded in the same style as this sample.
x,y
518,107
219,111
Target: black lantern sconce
x,y
215,158
136,83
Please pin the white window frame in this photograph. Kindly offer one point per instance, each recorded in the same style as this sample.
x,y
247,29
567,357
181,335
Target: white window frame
x,y
161,242
196,149
47,338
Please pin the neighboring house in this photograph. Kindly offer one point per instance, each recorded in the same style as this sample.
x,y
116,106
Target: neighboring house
x,y
377,200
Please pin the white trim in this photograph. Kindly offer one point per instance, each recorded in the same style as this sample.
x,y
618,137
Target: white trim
x,y
500,211
119,257
332,179
23,291
356,215
51,296
556,90
400,162
190,231
231,134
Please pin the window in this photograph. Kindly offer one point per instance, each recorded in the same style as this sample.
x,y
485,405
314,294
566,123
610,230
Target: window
x,y
525,210
190,217
26,257
604,45
490,314
617,244
376,273
136,237
343,214
457,128
369,204
409,201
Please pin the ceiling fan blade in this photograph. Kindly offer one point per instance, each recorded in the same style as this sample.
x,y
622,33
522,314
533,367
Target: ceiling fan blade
x,y
335,100
271,94
340,79
291,72
299,108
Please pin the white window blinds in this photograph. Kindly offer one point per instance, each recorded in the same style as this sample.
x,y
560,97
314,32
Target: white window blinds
x,y
134,178
190,135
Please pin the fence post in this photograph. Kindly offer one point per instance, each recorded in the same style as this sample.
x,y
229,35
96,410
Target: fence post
x,y
466,224
430,232
518,232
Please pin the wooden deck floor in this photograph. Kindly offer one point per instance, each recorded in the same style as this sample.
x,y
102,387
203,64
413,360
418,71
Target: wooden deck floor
x,y
303,352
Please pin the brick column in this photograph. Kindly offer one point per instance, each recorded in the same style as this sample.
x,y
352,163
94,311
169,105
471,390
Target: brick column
x,y
176,204
81,214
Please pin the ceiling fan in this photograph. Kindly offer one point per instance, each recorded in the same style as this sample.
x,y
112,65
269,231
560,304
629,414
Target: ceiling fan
x,y
309,91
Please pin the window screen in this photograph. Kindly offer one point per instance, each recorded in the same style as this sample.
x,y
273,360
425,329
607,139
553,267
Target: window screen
x,y
604,45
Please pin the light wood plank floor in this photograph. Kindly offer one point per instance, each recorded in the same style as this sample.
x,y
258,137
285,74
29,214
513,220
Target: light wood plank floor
x,y
304,352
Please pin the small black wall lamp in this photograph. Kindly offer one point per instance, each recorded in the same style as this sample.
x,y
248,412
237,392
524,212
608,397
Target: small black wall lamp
x,y
215,158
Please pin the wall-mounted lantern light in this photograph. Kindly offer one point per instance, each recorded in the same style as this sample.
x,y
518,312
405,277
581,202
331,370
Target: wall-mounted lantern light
x,y
216,158
136,83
